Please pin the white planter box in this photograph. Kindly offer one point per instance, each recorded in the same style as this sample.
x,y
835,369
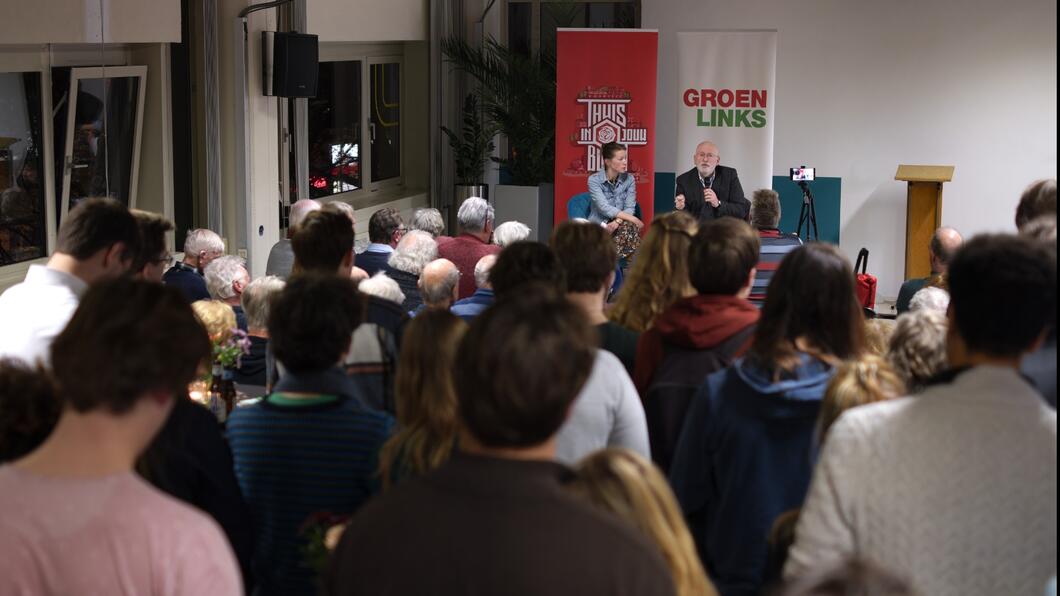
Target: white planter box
x,y
531,205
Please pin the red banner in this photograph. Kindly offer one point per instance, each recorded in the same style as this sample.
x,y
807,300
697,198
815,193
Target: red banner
x,y
605,92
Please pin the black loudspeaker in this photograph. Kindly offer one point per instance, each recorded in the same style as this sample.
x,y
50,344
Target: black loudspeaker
x,y
289,64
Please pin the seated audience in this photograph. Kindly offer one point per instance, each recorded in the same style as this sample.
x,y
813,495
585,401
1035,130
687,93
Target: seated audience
x,y
200,247
699,335
381,286
77,519
281,255
607,412
1037,200
428,220
878,335
226,277
930,298
426,399
216,317
151,261
472,306
475,219
97,241
944,244
510,232
922,485
746,452
256,300
917,348
1040,365
29,408
765,217
406,263
622,483
309,446
496,518
588,257
356,273
659,275
438,285
385,229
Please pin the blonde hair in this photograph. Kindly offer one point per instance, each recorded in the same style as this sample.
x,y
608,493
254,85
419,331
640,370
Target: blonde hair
x,y
878,335
217,317
624,483
425,397
866,380
659,276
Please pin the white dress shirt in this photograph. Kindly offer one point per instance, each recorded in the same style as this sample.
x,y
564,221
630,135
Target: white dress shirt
x,y
33,312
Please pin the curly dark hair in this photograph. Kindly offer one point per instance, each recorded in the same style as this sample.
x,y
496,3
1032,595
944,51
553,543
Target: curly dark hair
x,y
29,408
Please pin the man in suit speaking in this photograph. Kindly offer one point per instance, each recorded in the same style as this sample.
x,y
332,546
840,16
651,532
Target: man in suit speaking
x,y
709,191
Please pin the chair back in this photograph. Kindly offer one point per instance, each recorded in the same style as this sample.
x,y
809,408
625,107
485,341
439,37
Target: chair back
x,y
579,206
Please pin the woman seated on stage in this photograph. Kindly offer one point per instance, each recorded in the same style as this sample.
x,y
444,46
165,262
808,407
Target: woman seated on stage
x,y
614,199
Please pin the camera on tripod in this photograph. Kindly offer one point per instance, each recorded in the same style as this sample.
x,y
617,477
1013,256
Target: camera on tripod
x,y
808,214
803,174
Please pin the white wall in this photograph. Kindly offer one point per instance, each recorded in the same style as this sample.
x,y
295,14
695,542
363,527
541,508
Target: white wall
x,y
367,20
79,21
862,87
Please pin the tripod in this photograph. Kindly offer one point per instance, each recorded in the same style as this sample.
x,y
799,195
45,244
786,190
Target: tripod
x,y
807,215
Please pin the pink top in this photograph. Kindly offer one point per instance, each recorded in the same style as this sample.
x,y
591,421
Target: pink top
x,y
111,535
465,251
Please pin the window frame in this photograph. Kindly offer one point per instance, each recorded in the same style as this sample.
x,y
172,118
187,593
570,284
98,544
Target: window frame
x,y
535,17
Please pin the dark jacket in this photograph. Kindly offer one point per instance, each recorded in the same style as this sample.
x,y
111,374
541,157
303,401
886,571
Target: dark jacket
x,y
251,369
409,284
746,456
481,525
372,262
726,185
189,281
473,305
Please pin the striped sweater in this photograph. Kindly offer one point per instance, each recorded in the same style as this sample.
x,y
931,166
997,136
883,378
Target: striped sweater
x,y
775,246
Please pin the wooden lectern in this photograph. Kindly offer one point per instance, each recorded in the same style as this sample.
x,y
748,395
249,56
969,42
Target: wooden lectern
x,y
923,213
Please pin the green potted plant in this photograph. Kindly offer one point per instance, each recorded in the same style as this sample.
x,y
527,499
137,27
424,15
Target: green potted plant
x,y
472,148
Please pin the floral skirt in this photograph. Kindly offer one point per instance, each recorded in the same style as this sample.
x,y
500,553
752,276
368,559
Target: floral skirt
x,y
627,239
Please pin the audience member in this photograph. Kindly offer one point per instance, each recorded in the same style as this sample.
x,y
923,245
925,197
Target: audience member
x,y
853,576
499,503
902,483
765,217
1037,200
622,483
525,263
153,257
356,273
746,452
1041,228
659,275
323,243
475,219
216,317
257,299
381,286
438,285
406,263
428,220
472,306
426,399
281,255
29,408
98,240
930,298
699,335
917,348
385,229
878,335
117,370
309,446
588,257
944,244
200,247
1040,365
226,277
510,232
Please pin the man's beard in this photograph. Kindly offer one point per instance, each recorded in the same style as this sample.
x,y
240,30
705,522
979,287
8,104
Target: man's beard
x,y
705,171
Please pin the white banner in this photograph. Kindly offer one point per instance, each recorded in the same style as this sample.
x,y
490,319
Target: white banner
x,y
725,95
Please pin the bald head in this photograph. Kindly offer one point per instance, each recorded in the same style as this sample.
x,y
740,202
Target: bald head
x,y
438,283
706,158
300,209
944,245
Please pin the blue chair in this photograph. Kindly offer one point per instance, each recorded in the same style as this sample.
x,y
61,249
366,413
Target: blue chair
x,y
581,204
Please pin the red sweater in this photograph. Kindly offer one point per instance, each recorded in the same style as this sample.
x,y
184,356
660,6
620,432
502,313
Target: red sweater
x,y
465,251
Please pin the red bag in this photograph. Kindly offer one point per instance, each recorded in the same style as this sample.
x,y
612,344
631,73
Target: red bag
x,y
866,283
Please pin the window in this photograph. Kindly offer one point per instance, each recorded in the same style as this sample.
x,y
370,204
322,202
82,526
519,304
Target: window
x,y
532,24
23,213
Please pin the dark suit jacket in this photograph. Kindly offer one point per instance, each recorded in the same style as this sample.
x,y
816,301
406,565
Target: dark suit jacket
x,y
372,262
726,186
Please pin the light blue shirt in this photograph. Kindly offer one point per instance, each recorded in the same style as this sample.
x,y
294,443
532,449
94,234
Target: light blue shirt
x,y
611,198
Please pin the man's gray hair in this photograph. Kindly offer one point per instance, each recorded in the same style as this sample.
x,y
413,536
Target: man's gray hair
x,y
482,270
343,208
413,252
381,286
221,273
429,220
201,239
300,209
917,348
474,215
930,298
437,290
765,209
510,232
257,299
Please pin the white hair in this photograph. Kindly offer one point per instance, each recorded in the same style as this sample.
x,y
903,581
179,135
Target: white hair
x,y
482,270
413,252
510,232
429,220
221,273
381,286
917,348
300,209
257,298
474,214
437,289
930,298
201,239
